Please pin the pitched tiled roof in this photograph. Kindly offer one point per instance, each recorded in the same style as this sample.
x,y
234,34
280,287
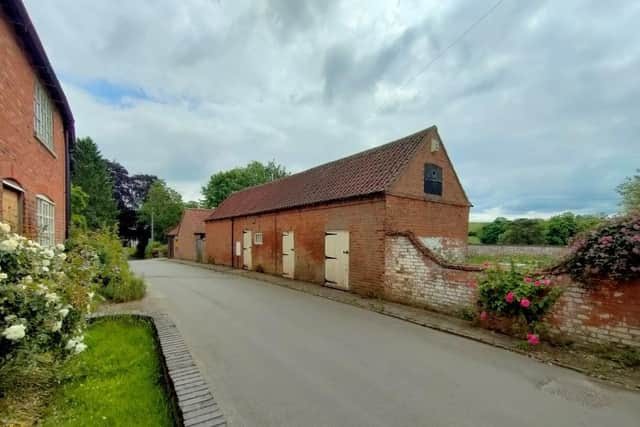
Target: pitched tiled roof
x,y
361,174
195,217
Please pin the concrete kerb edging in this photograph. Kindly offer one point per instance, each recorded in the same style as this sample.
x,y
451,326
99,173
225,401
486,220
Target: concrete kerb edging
x,y
491,338
194,403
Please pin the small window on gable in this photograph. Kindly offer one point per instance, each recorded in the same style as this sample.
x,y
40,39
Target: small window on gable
x,y
433,179
257,238
42,116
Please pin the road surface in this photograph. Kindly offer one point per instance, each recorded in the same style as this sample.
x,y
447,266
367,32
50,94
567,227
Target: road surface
x,y
278,357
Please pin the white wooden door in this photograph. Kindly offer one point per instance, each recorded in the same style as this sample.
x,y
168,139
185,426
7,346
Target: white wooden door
x,y
336,259
246,249
288,255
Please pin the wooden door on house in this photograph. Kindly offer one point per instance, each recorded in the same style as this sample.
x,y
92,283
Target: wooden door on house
x,y
246,249
11,208
336,262
288,255
172,246
199,248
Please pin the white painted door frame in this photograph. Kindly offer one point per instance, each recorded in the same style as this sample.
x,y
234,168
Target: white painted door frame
x,y
336,259
247,243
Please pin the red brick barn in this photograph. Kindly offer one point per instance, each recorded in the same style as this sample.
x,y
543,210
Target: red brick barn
x,y
36,130
187,239
330,224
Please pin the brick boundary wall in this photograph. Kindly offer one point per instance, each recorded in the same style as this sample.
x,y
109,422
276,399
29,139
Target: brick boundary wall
x,y
416,275
188,389
606,314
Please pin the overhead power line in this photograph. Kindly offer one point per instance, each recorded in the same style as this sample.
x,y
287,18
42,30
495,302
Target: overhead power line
x,y
456,41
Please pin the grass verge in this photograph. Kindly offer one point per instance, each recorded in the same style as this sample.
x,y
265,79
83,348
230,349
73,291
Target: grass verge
x,y
117,381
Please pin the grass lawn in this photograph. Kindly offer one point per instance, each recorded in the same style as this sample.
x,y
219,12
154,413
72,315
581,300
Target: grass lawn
x,y
533,261
475,226
117,381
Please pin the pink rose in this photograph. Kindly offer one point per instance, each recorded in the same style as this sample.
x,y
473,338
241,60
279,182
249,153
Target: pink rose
x,y
485,264
509,297
536,283
484,315
527,280
546,282
533,339
524,302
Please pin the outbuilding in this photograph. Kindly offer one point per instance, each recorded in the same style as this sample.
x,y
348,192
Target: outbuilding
x,y
331,224
186,240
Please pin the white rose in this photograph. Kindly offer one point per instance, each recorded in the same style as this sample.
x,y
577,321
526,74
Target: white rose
x,y
9,245
80,347
45,269
14,333
5,228
63,312
60,247
46,262
70,344
56,326
48,253
62,256
28,279
52,297
3,276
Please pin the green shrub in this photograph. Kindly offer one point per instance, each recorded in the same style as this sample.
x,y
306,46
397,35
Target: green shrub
x,y
611,251
114,279
44,296
514,294
155,249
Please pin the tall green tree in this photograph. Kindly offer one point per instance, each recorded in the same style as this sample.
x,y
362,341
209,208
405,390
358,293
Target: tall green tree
x,y
165,205
490,233
561,228
524,231
89,172
629,190
223,183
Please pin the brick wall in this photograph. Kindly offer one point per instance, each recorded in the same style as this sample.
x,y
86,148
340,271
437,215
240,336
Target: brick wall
x,y
608,313
363,219
22,157
414,275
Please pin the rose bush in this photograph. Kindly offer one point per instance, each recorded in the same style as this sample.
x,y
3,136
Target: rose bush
x,y
44,296
513,293
612,251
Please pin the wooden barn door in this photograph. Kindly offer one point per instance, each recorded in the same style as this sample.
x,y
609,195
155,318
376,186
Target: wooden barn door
x,y
199,248
11,209
246,249
336,262
288,255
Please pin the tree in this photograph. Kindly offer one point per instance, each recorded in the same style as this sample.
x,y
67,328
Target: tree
x,y
589,222
165,205
129,193
523,231
223,183
561,228
193,204
490,233
79,203
89,172
629,190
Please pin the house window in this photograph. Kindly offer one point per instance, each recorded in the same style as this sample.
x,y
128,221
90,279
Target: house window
x,y
433,179
45,216
43,116
257,238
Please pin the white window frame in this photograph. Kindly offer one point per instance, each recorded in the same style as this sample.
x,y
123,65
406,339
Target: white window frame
x,y
43,116
257,238
46,220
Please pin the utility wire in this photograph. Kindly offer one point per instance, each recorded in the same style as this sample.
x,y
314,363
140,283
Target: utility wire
x,y
453,43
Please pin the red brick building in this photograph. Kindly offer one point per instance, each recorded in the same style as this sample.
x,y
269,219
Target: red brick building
x,y
187,239
330,224
36,131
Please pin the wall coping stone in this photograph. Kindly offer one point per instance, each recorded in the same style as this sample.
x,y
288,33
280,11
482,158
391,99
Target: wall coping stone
x,y
188,389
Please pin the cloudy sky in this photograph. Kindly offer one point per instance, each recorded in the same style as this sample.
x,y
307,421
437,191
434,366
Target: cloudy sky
x,y
538,105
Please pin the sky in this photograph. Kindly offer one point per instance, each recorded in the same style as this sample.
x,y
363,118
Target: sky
x,y
538,104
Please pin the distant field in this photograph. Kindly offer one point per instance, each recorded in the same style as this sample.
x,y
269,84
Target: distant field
x,y
475,226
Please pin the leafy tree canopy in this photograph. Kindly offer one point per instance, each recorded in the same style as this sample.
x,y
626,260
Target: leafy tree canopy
x,y
490,233
524,231
222,184
561,228
89,172
165,205
79,203
629,190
